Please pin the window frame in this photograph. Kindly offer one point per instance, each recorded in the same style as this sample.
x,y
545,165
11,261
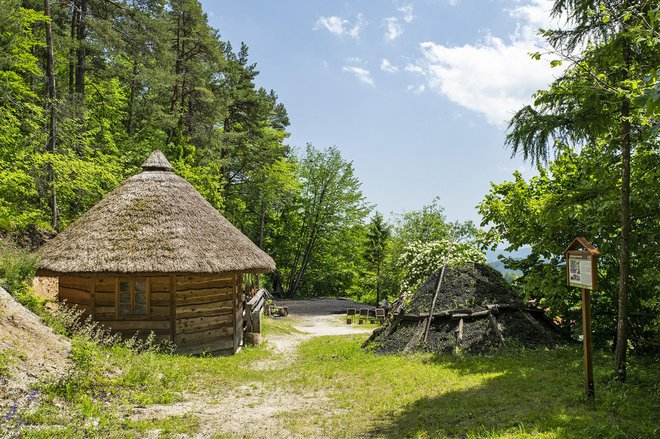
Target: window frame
x,y
132,281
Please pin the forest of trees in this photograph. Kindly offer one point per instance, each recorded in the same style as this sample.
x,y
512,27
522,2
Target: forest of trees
x,y
90,87
594,135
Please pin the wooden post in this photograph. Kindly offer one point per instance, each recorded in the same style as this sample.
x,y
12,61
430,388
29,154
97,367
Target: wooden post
x,y
459,334
582,272
586,340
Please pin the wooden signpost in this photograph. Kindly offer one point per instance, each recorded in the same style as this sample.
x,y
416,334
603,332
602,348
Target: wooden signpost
x,y
582,272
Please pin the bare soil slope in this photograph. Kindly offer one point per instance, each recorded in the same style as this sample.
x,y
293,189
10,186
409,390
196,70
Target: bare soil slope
x,y
30,350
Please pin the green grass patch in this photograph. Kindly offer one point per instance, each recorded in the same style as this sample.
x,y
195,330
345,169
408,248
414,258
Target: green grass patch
x,y
169,427
17,266
356,393
518,394
278,326
5,361
365,325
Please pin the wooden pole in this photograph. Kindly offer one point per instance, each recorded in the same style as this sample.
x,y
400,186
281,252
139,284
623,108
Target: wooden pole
x,y
437,290
586,339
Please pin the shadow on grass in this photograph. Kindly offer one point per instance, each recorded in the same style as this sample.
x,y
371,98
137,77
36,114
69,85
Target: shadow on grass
x,y
530,393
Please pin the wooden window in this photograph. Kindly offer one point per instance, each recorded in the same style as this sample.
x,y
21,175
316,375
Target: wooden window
x,y
133,298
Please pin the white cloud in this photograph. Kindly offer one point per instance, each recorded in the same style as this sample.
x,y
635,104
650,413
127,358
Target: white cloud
x,y
360,73
340,26
394,29
407,13
452,2
493,77
413,68
387,66
416,89
534,14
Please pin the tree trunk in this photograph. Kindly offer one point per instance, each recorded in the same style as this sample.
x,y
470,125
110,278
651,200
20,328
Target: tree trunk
x,y
262,225
75,15
177,73
624,255
51,96
81,51
378,284
293,288
131,101
318,206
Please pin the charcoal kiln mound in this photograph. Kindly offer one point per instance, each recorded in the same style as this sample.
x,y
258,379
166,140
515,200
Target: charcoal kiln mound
x,y
476,311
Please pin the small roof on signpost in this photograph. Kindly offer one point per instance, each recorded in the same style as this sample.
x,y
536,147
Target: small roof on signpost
x,y
581,242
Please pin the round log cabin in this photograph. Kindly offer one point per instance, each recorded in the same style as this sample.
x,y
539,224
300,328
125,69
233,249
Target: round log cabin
x,y
154,255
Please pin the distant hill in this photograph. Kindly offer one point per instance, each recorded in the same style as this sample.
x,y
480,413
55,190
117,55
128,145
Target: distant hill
x,y
493,261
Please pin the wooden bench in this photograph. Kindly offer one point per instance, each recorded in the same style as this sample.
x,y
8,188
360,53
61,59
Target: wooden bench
x,y
350,315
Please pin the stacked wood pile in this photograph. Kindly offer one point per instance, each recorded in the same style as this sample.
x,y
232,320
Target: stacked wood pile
x,y
476,312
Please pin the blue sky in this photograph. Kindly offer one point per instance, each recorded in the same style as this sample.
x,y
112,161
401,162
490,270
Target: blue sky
x,y
415,93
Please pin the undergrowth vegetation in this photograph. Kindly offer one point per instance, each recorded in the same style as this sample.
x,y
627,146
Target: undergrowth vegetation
x,y
17,267
516,394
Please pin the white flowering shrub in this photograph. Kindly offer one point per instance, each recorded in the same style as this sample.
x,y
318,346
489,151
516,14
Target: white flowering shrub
x,y
421,259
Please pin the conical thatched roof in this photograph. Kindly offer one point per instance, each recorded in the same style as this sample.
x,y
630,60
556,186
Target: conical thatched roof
x,y
154,222
476,311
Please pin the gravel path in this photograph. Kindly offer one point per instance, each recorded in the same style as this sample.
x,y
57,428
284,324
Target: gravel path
x,y
315,317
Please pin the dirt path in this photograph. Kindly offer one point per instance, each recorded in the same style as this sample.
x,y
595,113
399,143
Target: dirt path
x,y
234,414
315,318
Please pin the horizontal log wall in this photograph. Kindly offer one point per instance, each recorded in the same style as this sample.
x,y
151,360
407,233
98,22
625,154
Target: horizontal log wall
x,y
158,321
159,298
97,296
105,298
204,319
205,313
76,291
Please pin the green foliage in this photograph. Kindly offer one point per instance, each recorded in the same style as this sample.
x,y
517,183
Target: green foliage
x,y
17,267
376,245
412,229
20,115
421,259
426,224
577,195
5,360
319,248
596,113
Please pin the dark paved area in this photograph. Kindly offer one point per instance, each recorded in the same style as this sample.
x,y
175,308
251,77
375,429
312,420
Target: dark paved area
x,y
321,306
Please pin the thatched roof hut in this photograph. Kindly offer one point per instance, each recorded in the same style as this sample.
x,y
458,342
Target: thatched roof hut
x,y
154,250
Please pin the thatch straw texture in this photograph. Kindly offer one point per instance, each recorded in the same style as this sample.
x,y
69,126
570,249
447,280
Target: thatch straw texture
x,y
155,222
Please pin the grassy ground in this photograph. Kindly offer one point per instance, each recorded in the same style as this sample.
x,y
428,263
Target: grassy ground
x,y
518,394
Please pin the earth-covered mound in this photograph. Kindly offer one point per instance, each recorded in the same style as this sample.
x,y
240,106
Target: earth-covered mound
x,y
476,311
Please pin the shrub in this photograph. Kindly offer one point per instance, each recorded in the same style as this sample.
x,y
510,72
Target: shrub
x,y
17,267
421,259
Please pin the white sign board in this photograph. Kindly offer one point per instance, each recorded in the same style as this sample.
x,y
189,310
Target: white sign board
x,y
580,271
